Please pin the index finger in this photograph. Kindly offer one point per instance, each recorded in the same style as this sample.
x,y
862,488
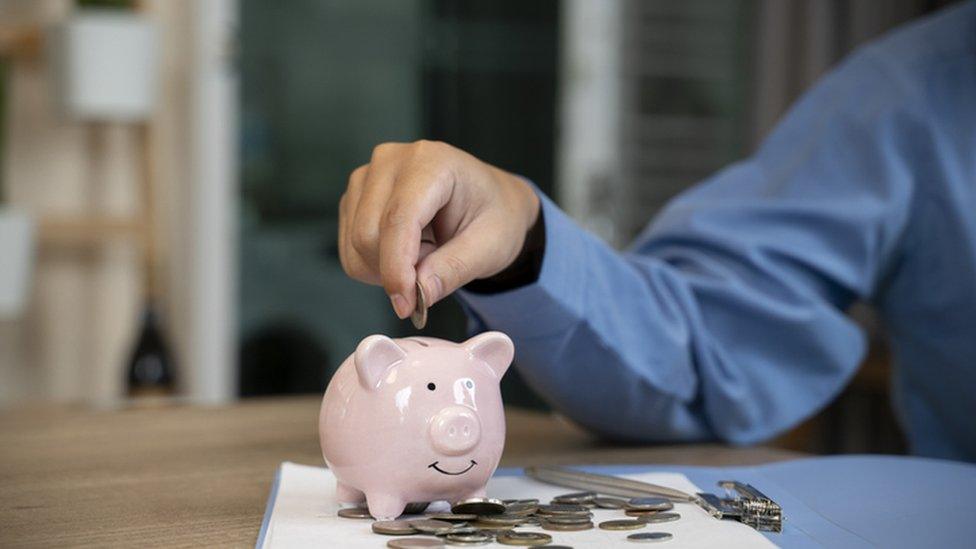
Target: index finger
x,y
420,192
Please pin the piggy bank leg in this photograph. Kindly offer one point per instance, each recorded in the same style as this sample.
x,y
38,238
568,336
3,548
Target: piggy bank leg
x,y
348,494
385,506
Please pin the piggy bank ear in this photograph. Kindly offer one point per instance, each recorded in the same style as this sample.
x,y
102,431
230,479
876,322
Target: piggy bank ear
x,y
373,358
495,348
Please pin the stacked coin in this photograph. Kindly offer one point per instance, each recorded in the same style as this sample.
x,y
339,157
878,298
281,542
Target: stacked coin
x,y
565,517
523,538
578,498
649,505
609,503
480,521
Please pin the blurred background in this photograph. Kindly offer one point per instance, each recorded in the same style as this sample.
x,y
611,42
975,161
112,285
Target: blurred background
x,y
170,169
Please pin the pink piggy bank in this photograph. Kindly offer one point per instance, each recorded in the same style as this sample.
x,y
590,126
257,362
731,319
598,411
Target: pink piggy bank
x,y
415,419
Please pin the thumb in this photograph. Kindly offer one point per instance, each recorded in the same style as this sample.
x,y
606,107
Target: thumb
x,y
457,262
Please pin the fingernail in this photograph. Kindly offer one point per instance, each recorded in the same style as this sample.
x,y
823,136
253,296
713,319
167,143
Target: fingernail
x,y
399,305
434,288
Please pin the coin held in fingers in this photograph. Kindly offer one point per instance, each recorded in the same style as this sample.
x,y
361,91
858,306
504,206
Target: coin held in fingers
x,y
419,314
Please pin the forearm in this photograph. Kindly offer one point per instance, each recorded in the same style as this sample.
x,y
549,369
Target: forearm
x,y
688,339
586,337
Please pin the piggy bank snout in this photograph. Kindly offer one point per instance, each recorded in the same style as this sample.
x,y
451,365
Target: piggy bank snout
x,y
455,430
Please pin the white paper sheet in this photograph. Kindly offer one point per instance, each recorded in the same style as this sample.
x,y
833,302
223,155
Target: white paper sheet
x,y
304,515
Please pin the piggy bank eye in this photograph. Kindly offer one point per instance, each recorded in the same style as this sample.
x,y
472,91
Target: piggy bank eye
x,y
431,386
469,384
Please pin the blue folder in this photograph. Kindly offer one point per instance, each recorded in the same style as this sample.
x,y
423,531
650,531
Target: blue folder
x,y
841,501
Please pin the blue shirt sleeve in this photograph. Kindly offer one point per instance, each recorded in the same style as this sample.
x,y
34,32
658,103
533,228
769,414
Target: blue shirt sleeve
x,y
726,318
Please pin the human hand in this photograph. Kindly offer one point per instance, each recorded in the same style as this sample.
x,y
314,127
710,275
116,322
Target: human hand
x,y
429,212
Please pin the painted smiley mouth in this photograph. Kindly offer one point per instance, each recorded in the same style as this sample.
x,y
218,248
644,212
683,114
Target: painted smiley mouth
x,y
443,472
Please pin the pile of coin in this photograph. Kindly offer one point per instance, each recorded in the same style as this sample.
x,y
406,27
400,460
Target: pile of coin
x,y
481,521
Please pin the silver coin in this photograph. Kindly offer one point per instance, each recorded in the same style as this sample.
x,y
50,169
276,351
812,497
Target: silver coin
x,y
470,539
610,503
451,517
460,528
621,524
354,513
419,314
649,537
521,508
650,504
408,543
478,506
561,508
523,538
656,518
575,497
488,532
431,526
492,526
533,501
579,514
511,520
569,519
393,528
557,527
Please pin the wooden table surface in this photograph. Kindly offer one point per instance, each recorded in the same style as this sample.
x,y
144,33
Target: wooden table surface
x,y
194,476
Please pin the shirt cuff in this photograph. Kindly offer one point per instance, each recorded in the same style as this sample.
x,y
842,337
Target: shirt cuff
x,y
553,303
